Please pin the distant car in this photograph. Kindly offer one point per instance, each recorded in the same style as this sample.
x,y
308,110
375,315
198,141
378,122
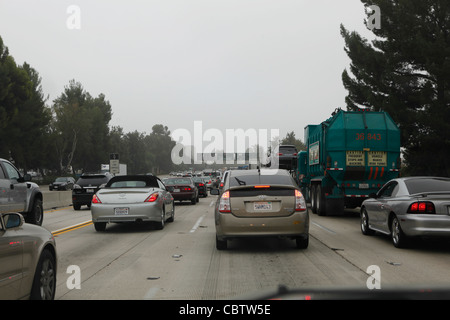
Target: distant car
x,y
86,186
28,260
287,157
264,202
209,182
62,183
182,188
140,198
200,183
408,207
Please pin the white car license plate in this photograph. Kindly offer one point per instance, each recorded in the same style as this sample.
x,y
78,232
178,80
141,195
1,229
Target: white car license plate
x,y
262,206
90,190
176,190
364,186
120,211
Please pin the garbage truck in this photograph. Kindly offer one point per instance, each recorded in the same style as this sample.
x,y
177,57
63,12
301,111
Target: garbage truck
x,y
348,157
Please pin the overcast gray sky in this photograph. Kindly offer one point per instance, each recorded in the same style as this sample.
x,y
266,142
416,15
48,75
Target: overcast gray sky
x,y
261,64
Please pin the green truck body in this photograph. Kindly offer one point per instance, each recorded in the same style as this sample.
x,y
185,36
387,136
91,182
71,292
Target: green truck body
x,y
349,156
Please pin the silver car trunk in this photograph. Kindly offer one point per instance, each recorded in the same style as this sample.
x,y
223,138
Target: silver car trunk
x,y
124,195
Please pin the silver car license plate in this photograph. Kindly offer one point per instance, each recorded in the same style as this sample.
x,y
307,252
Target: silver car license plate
x,y
120,211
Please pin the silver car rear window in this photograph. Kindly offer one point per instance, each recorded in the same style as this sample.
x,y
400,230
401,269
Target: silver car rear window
x,y
428,185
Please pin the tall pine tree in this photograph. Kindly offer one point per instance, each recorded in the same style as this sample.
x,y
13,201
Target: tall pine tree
x,y
406,72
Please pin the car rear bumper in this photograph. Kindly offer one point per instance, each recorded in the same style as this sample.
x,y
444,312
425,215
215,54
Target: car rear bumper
x,y
183,195
136,212
230,226
425,225
82,198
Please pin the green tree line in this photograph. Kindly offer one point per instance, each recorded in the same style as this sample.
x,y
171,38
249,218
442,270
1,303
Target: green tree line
x,y
73,133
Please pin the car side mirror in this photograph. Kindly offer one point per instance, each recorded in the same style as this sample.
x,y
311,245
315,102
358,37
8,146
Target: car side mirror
x,y
13,220
214,192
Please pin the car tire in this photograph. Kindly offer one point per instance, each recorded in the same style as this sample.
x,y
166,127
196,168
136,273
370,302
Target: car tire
x,y
160,224
172,216
221,244
36,215
302,242
193,201
76,206
100,226
399,239
365,223
44,282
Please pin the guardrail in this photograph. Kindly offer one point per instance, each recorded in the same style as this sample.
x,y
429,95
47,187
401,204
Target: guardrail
x,y
55,199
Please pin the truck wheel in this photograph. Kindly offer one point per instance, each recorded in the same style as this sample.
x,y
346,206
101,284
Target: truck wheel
x,y
36,215
320,197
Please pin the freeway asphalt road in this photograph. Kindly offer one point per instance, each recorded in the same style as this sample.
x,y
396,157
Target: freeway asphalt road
x,y
181,262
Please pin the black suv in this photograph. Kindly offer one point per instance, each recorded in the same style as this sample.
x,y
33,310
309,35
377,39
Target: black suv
x,y
86,186
287,157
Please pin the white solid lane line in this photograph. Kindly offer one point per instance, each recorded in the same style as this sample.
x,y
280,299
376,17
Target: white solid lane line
x,y
196,225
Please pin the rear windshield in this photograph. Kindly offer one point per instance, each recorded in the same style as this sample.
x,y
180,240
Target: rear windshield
x,y
427,185
283,149
256,179
176,181
92,180
134,184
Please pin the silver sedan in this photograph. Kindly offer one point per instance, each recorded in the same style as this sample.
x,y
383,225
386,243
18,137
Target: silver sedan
x,y
135,198
27,260
408,207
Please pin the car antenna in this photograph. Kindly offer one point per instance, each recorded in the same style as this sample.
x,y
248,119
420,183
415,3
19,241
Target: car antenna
x,y
259,170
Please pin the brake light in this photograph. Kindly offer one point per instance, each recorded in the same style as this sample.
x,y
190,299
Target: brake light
x,y
201,185
95,199
224,204
421,207
152,198
294,154
300,203
262,186
280,154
